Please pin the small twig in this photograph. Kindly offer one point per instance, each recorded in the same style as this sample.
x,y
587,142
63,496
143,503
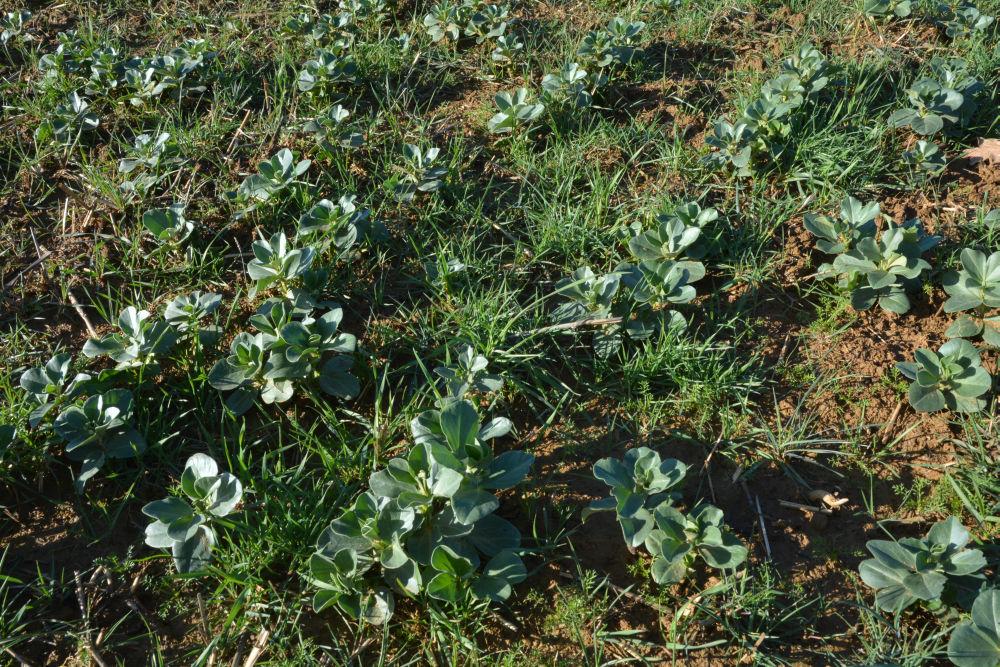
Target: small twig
x,y
34,241
83,315
239,652
204,616
238,132
907,521
567,326
760,516
763,528
355,653
887,429
194,172
259,646
804,508
204,628
20,658
81,599
94,653
784,349
507,623
805,203
10,283
705,467
86,220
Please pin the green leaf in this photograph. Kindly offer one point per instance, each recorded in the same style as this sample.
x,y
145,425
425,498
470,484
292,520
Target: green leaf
x,y
168,510
508,566
184,527
991,332
964,327
89,468
325,569
728,555
669,571
970,646
109,345
926,399
198,466
986,612
392,481
949,532
895,301
443,586
225,496
157,537
968,561
407,577
459,424
508,469
637,527
976,642
240,400
493,534
613,473
471,505
336,381
323,598
446,559
495,428
377,606
195,553
393,556
224,376
601,505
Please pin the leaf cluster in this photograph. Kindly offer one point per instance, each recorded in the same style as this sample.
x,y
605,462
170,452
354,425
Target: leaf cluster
x,y
420,172
952,378
516,111
767,124
934,570
291,348
427,526
97,430
642,496
185,526
875,266
976,288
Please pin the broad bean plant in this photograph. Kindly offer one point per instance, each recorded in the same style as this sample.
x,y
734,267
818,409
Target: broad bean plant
x,y
974,290
875,266
952,378
185,525
640,294
427,525
293,348
51,385
762,133
99,429
936,570
642,497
